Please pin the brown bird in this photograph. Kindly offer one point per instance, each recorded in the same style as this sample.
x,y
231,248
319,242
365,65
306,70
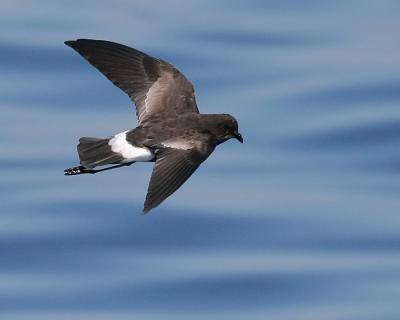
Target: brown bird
x,y
171,130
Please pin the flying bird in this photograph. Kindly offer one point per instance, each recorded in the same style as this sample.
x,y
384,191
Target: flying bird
x,y
171,131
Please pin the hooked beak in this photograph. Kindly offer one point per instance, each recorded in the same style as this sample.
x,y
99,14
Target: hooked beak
x,y
239,137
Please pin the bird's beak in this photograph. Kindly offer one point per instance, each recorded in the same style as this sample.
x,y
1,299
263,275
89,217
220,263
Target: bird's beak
x,y
239,137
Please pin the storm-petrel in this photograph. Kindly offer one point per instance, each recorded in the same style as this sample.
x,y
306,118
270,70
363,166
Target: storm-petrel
x,y
171,131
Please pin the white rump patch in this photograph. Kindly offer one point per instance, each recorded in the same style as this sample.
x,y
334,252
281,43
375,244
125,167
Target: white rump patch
x,y
120,145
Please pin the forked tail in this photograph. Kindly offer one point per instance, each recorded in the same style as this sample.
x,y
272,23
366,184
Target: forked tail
x,y
95,152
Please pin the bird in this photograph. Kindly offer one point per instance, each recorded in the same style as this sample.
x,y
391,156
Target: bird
x,y
171,131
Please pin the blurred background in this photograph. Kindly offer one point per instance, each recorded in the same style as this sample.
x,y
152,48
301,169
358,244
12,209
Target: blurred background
x,y
299,222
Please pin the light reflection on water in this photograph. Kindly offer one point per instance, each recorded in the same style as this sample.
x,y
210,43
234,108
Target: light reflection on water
x,y
300,222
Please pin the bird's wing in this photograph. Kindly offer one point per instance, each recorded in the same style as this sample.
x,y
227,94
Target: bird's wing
x,y
172,168
155,86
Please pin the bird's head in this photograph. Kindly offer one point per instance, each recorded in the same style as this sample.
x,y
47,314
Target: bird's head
x,y
227,128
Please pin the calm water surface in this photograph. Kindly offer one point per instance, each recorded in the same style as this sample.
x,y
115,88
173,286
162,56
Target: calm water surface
x,y
300,222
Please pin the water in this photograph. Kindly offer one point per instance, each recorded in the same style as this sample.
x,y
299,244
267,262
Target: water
x,y
300,222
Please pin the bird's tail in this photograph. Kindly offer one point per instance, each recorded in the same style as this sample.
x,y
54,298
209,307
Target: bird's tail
x,y
95,152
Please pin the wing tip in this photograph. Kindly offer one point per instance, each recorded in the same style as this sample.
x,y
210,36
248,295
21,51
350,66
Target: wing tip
x,y
146,209
70,43
74,43
149,204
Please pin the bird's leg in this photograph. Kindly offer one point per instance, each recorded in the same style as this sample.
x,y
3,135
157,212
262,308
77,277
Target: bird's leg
x,y
82,170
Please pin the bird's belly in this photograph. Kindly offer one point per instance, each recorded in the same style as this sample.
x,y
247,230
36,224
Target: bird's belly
x,y
129,152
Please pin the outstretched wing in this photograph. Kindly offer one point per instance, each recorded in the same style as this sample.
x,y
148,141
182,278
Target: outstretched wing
x,y
172,168
155,86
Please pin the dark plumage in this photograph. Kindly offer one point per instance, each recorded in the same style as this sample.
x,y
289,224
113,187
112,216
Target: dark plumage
x,y
171,130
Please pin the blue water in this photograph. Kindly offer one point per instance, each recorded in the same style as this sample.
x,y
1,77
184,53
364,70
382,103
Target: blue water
x,y
300,222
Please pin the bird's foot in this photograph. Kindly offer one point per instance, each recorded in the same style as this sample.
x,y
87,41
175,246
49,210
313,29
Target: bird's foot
x,y
77,170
